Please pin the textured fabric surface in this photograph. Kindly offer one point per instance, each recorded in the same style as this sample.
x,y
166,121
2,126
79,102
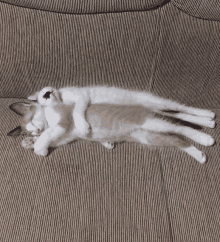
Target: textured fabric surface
x,y
86,6
81,191
84,192
41,48
200,8
187,62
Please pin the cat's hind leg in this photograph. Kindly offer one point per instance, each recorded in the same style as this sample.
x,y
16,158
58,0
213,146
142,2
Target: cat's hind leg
x,y
155,102
164,140
204,121
194,152
158,125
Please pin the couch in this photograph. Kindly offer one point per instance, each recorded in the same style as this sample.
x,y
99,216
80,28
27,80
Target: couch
x,y
82,191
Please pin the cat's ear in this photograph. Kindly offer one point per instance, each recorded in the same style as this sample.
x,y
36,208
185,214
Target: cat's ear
x,y
20,108
34,96
15,132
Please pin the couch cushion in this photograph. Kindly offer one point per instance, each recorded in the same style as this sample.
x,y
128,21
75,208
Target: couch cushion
x,y
86,6
188,60
200,8
40,48
81,192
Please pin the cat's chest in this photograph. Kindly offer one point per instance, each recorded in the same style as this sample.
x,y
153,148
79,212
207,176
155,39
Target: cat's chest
x,y
52,117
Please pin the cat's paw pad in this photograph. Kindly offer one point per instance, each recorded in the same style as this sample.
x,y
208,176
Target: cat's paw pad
x,y
28,143
108,145
41,152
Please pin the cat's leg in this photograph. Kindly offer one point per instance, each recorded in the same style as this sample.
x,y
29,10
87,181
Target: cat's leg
x,y
158,125
175,140
48,137
194,152
204,121
115,95
79,115
28,143
108,145
150,100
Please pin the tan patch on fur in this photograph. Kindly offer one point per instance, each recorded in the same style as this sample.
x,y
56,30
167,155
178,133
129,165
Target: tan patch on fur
x,y
66,112
28,116
109,115
161,139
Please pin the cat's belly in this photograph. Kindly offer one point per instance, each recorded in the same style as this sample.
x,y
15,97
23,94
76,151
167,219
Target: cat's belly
x,y
100,134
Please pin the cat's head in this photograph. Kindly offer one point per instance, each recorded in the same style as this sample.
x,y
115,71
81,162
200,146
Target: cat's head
x,y
33,121
46,97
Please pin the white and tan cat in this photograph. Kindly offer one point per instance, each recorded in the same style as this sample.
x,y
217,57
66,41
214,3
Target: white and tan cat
x,y
53,125
84,96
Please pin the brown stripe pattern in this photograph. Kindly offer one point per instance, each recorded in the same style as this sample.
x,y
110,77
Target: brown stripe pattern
x,y
200,8
41,48
86,6
81,191
187,59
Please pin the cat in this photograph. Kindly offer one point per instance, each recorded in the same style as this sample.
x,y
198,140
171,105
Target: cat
x,y
84,96
53,125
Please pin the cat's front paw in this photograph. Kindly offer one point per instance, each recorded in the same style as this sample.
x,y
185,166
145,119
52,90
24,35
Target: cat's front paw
x,y
83,128
28,143
108,145
41,152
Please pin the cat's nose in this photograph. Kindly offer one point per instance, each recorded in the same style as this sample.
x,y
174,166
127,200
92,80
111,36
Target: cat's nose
x,y
47,95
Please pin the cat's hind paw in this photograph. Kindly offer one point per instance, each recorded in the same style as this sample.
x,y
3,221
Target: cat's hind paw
x,y
195,153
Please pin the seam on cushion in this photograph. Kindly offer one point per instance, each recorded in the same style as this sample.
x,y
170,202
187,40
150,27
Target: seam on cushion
x,y
95,13
157,49
192,14
165,195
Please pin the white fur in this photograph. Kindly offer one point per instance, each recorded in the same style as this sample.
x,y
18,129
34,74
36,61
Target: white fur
x,y
54,135
81,97
52,117
195,153
163,126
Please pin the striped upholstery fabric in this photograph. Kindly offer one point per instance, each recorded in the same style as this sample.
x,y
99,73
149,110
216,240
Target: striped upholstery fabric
x,y
42,48
86,6
200,8
81,191
187,61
